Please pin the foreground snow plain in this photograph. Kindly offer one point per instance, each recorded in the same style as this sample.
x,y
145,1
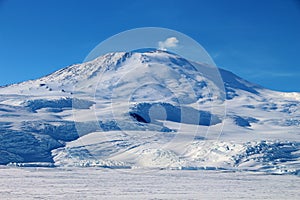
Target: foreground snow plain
x,y
99,183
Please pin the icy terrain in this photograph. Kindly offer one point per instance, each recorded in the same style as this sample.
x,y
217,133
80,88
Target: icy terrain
x,y
149,110
99,183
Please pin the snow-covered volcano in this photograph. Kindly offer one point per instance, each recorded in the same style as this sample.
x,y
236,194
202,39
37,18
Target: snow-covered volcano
x,y
149,109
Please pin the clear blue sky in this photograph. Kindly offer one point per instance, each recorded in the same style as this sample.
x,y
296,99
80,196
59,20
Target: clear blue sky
x,y
257,39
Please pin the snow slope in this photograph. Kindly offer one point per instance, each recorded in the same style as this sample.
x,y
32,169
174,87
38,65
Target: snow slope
x,y
149,109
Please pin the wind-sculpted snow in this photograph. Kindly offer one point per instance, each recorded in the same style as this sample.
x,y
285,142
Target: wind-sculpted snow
x,y
244,121
147,112
268,156
232,82
17,146
149,109
64,130
57,104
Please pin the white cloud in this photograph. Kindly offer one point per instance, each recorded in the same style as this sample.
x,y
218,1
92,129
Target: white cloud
x,y
170,42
